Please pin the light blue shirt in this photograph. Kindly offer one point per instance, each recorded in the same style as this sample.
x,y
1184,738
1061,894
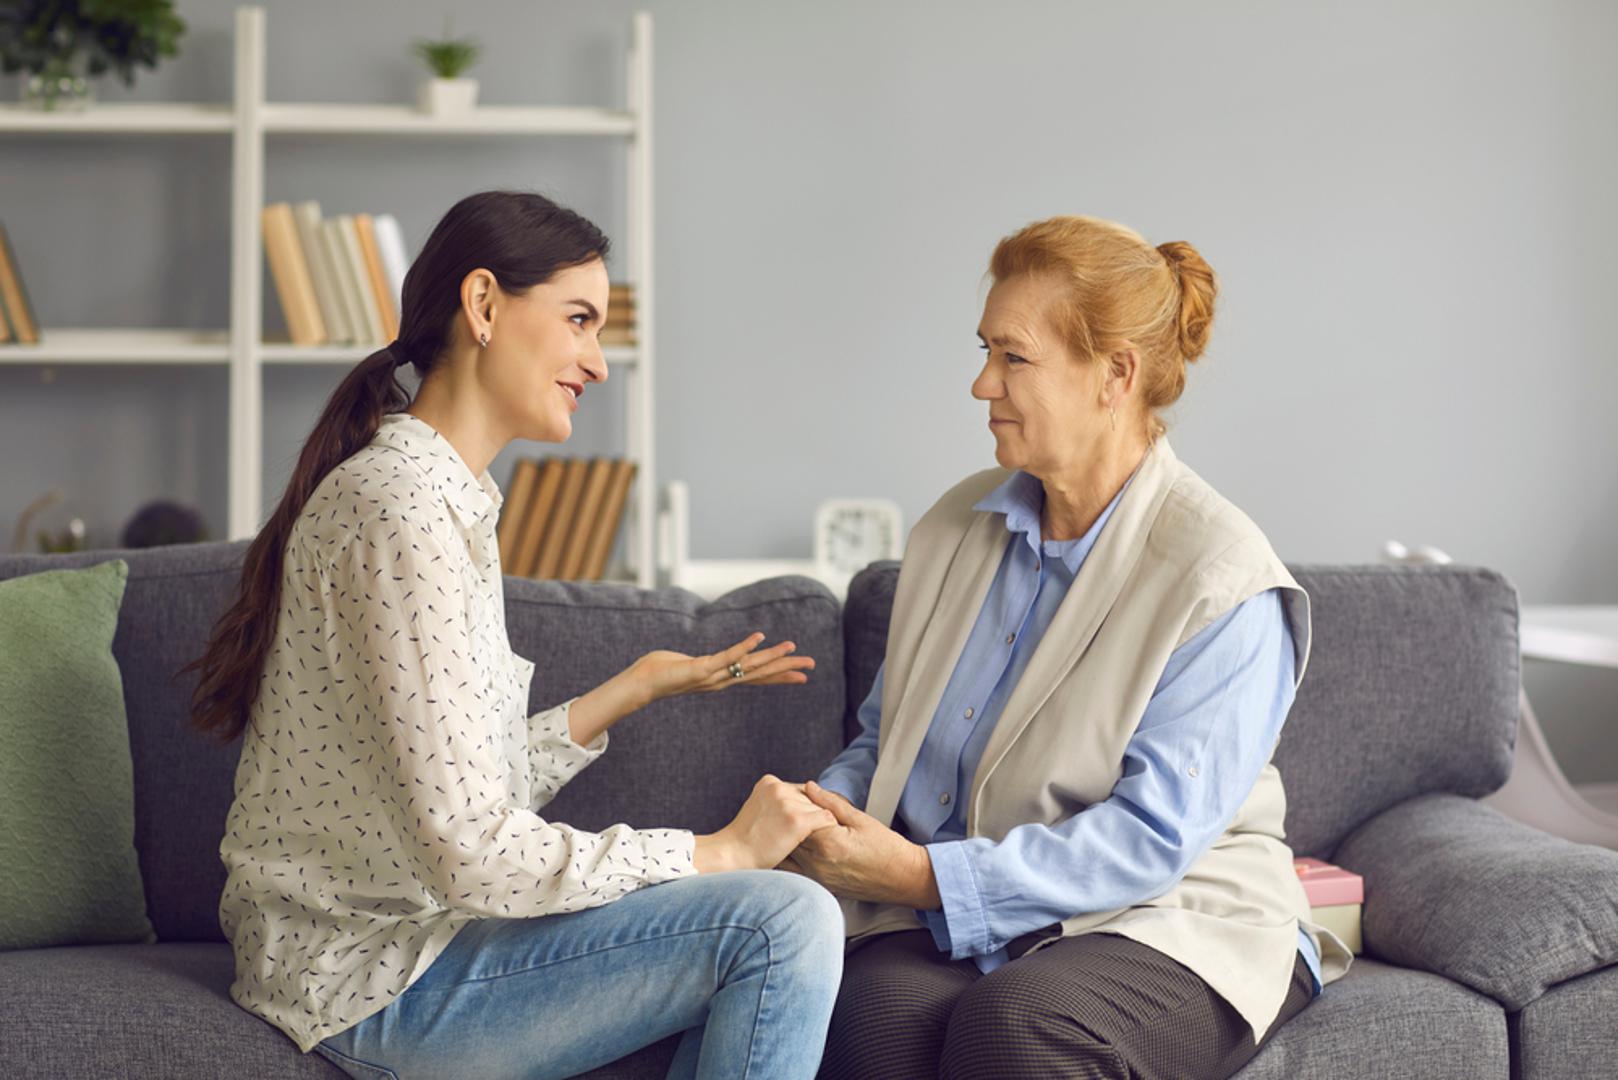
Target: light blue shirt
x,y
1207,732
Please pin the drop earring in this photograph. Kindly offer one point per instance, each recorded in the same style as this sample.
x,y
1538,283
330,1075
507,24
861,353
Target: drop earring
x,y
483,339
1113,416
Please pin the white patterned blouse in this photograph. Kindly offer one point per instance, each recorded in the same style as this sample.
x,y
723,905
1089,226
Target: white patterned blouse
x,y
390,782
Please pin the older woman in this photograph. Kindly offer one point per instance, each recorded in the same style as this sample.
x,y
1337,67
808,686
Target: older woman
x,y
1060,842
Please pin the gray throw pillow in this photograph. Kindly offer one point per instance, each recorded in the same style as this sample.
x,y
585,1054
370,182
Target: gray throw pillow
x,y
68,869
1455,887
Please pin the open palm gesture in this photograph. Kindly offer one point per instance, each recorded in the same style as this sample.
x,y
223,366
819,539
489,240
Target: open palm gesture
x,y
670,674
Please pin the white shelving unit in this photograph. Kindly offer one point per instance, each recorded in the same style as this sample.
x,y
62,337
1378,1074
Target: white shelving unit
x,y
252,122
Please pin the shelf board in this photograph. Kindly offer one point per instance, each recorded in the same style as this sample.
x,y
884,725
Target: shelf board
x,y
280,352
318,119
120,346
131,119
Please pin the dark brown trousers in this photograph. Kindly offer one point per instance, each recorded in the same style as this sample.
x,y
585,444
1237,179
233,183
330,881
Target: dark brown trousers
x,y
1093,1006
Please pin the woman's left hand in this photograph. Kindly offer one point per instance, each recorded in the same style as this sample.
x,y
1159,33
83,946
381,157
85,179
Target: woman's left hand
x,y
664,674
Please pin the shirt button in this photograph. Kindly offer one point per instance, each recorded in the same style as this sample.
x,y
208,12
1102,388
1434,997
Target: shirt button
x,y
969,714
943,800
1038,565
1010,638
1192,771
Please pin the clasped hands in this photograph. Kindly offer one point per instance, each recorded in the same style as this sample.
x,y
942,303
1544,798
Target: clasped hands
x,y
802,828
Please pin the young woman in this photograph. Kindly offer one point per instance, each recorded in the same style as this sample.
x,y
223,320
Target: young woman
x,y
395,900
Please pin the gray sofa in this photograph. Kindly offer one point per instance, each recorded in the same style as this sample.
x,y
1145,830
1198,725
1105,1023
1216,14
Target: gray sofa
x,y
1489,946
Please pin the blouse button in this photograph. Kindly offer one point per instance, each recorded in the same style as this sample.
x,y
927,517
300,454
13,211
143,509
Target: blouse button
x,y
969,713
1010,638
1192,771
943,800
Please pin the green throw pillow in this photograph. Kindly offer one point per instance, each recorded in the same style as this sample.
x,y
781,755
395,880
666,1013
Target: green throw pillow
x,y
68,872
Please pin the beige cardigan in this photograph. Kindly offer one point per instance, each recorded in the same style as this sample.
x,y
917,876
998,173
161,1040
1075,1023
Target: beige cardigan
x,y
1174,556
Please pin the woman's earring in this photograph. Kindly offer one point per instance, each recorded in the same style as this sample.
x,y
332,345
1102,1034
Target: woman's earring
x,y
1113,416
483,339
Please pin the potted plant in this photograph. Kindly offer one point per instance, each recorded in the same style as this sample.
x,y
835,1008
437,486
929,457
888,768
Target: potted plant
x,y
447,92
61,45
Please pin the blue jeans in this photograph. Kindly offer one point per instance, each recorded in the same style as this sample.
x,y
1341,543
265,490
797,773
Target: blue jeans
x,y
746,964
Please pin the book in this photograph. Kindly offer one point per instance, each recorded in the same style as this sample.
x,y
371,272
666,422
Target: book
x,y
377,278
538,515
19,313
331,234
361,278
584,519
519,491
307,216
395,260
607,522
1336,899
290,271
559,528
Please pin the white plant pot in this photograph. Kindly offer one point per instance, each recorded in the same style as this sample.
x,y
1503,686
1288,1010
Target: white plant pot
x,y
442,97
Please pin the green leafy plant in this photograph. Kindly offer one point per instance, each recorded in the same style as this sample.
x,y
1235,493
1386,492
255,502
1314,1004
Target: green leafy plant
x,y
448,56
43,37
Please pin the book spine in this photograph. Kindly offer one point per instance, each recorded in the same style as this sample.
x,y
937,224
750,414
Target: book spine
x,y
519,491
584,519
612,516
14,296
331,234
561,523
307,215
361,278
395,261
375,277
537,517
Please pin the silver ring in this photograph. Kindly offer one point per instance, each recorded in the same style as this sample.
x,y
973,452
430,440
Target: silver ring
x,y
736,671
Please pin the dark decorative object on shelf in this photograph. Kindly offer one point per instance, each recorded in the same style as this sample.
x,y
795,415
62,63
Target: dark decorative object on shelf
x,y
159,523
62,44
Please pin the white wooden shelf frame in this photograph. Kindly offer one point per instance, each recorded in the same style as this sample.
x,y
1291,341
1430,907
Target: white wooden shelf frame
x,y
249,121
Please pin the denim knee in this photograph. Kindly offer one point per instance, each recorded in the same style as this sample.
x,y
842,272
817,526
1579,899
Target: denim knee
x,y
805,921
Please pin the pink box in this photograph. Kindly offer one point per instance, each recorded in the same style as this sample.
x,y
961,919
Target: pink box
x,y
1325,884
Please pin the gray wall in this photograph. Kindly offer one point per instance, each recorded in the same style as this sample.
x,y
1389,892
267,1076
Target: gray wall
x,y
1410,206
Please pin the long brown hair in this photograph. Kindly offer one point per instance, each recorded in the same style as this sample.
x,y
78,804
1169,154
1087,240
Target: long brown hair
x,y
519,237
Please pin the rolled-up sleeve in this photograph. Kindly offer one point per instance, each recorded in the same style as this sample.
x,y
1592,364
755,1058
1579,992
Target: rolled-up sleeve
x,y
399,641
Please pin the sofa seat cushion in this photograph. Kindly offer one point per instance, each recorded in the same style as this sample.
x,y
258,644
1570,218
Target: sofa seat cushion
x,y
1572,1031
136,1010
1381,1020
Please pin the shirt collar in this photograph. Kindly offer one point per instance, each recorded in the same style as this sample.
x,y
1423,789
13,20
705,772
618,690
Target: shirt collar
x,y
472,500
1021,497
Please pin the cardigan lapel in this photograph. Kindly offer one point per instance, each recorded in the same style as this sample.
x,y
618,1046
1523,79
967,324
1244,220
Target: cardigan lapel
x,y
966,586
1089,598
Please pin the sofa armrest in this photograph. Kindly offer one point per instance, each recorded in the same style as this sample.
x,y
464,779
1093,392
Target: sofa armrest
x,y
1456,888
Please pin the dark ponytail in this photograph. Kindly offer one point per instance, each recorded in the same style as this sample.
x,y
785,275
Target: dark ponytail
x,y
522,239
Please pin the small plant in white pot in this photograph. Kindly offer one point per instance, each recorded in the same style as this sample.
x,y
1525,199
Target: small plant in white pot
x,y
447,91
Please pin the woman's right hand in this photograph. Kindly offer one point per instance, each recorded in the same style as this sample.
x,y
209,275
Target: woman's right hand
x,y
774,820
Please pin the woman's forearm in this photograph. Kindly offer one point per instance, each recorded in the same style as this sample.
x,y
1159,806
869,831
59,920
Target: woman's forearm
x,y
599,709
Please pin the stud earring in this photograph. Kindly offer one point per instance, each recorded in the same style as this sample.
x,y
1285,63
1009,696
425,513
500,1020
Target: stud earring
x,y
483,340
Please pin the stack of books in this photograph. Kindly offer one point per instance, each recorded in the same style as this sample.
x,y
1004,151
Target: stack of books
x,y
1336,899
619,328
561,516
17,322
338,279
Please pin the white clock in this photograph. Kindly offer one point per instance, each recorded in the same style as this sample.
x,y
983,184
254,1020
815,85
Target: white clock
x,y
850,534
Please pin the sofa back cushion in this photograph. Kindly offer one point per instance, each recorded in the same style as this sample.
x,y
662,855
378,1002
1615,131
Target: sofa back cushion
x,y
688,762
1411,688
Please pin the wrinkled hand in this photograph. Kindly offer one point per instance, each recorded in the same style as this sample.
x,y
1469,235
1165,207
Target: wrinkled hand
x,y
774,820
664,674
859,858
